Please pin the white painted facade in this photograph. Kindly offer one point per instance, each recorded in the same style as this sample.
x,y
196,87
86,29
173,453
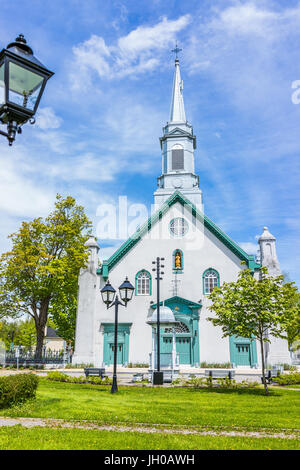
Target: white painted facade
x,y
204,246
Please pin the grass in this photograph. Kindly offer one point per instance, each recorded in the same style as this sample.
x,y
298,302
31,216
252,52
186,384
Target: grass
x,y
18,438
247,410
181,406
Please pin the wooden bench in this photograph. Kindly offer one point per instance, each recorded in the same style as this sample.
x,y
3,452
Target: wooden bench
x,y
93,372
220,373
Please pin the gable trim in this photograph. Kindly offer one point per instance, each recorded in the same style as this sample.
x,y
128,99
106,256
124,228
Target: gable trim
x,y
152,220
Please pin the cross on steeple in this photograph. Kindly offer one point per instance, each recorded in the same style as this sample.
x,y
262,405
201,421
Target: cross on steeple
x,y
176,50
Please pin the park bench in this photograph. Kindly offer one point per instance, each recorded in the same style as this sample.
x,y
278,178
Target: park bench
x,y
220,374
94,372
272,373
138,377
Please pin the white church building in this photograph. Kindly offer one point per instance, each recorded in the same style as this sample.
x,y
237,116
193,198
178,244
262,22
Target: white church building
x,y
198,256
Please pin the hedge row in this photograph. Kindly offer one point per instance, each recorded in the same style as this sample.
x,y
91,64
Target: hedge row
x,y
288,379
17,388
61,377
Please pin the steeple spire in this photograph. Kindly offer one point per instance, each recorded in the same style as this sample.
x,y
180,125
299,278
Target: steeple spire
x,y
177,146
177,105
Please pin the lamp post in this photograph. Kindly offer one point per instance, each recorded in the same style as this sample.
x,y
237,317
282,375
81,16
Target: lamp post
x,y
158,376
110,298
22,82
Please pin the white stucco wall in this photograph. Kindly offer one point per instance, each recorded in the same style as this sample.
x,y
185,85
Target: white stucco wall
x,y
201,250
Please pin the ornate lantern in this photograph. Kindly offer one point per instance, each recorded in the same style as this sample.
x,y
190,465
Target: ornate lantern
x,y
22,82
108,294
126,291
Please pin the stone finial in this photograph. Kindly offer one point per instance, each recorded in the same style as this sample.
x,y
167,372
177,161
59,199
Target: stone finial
x,y
91,243
268,256
266,235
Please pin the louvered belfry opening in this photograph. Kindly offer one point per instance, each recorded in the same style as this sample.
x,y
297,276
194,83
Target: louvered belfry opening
x,y
177,159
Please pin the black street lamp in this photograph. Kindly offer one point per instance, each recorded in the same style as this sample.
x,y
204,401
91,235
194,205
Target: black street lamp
x,y
158,378
108,296
22,82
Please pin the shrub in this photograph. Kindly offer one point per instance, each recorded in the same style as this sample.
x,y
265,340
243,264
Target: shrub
x,y
61,377
216,365
292,378
17,388
208,382
137,365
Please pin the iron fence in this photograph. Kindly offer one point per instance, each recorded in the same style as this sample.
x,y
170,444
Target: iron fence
x,y
32,358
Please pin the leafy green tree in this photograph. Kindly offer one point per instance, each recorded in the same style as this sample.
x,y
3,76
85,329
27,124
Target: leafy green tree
x,y
9,333
254,308
27,334
40,273
63,316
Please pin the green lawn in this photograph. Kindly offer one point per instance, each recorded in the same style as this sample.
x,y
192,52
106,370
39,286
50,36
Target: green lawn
x,y
17,438
204,409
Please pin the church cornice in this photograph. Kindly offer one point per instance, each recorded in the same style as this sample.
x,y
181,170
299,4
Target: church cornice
x,y
107,265
177,132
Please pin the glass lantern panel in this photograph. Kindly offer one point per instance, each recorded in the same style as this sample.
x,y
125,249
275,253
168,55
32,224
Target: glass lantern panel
x,y
24,86
2,85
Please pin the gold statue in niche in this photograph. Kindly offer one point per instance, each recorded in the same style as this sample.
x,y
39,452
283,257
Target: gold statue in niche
x,y
178,261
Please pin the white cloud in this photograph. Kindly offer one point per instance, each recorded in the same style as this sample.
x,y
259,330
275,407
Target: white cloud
x,y
247,19
136,53
47,119
249,247
21,194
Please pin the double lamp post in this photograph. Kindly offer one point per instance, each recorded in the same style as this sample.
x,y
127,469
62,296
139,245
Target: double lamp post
x,y
110,298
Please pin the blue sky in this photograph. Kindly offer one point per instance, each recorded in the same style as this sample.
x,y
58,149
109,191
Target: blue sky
x,y
98,128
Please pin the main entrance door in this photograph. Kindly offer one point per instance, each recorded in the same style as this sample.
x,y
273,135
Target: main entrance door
x,y
183,347
120,355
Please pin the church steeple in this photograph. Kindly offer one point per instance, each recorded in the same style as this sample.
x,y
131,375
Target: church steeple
x,y
177,113
178,144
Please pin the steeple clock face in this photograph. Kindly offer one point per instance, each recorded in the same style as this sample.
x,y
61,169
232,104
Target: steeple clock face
x,y
177,182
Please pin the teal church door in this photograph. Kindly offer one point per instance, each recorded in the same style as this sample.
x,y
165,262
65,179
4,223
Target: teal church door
x,y
243,354
120,356
183,347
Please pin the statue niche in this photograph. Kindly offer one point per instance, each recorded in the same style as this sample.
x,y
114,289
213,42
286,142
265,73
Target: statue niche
x,y
178,260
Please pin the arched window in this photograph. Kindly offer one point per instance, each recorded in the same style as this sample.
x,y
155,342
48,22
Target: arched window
x,y
211,279
177,260
143,283
180,328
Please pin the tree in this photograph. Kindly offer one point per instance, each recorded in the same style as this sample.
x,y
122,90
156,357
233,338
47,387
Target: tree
x,y
41,270
27,334
9,333
254,308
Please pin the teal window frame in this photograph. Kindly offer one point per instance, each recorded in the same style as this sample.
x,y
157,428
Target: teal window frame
x,y
203,279
178,270
136,282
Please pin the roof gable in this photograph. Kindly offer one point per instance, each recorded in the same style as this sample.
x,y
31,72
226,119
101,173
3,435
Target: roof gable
x,y
177,196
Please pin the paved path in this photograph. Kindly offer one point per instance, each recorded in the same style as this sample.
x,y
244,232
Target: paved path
x,y
149,429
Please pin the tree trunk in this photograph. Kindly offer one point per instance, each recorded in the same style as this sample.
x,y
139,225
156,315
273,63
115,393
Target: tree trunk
x,y
40,325
40,335
263,366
